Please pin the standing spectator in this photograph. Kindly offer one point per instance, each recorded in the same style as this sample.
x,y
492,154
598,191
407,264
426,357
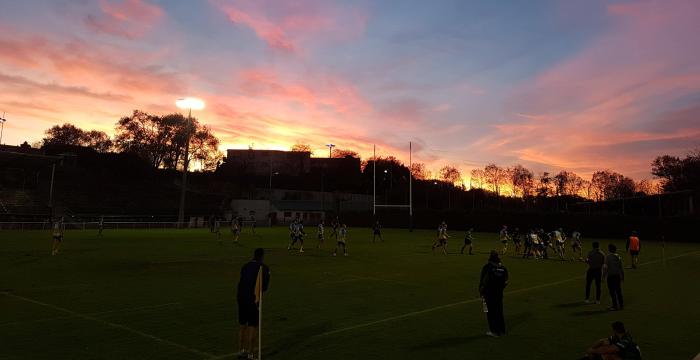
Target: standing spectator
x,y
614,274
248,302
494,278
633,247
595,260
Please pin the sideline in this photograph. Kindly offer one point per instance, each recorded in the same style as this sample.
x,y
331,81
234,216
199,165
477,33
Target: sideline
x,y
110,324
478,299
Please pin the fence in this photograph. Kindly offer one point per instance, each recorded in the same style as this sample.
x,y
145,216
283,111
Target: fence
x,y
94,225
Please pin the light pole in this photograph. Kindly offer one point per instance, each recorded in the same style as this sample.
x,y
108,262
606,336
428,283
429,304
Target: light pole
x,y
330,150
271,174
2,125
190,104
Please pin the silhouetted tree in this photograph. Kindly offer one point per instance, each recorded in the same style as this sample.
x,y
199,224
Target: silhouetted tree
x,y
69,134
300,147
450,174
341,153
419,171
162,140
676,173
495,176
522,180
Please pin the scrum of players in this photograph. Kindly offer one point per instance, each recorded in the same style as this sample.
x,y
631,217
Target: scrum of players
x,y
539,244
533,244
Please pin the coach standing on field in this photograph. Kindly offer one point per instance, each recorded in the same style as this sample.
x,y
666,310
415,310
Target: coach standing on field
x,y
614,274
248,316
494,278
595,260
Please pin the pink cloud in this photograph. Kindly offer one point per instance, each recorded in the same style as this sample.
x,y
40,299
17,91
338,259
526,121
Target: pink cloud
x,y
600,108
316,91
130,19
286,25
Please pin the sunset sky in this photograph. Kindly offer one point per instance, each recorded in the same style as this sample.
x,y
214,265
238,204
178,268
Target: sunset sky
x,y
576,85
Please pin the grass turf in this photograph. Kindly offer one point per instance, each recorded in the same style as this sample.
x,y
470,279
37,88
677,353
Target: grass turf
x,y
168,294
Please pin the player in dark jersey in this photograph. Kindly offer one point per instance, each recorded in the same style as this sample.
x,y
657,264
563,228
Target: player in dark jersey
x,y
377,232
619,346
517,240
468,240
249,302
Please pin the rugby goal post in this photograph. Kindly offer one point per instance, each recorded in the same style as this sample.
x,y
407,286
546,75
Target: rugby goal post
x,y
408,206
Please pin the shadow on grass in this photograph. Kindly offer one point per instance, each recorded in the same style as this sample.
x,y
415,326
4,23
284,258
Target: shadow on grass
x,y
291,342
590,312
571,305
447,342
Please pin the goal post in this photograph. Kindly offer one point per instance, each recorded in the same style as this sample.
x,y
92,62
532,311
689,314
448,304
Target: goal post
x,y
408,206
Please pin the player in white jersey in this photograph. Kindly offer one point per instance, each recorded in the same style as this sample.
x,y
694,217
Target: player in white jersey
x,y
576,245
321,235
217,229
101,226
296,229
441,241
342,240
235,229
559,242
59,227
503,236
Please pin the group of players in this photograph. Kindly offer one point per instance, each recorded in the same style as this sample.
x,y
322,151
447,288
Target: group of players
x,y
537,243
339,232
534,244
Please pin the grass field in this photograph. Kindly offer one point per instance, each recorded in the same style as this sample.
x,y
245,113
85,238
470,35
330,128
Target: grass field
x,y
168,294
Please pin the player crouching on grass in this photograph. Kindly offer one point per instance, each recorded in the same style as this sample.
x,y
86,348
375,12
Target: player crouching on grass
x,y
59,227
249,301
619,346
342,240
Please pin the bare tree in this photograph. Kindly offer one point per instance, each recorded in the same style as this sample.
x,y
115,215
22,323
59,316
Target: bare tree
x,y
300,147
522,180
477,178
544,185
495,176
341,153
450,174
419,171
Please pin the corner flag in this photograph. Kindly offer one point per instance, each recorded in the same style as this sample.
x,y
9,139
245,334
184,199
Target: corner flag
x,y
258,300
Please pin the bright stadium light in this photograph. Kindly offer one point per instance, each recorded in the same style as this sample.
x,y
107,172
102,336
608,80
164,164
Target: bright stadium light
x,y
190,103
187,103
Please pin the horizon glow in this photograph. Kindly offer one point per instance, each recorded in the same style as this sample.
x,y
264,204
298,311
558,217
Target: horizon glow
x,y
552,85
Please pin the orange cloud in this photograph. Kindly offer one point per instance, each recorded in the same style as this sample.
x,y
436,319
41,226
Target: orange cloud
x,y
130,19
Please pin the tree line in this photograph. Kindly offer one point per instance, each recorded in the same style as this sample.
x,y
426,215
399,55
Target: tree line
x,y
160,140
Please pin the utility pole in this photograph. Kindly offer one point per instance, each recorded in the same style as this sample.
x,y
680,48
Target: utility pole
x,y
2,126
330,150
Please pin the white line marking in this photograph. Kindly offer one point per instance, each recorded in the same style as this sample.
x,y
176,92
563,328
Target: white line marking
x,y
419,312
126,310
110,324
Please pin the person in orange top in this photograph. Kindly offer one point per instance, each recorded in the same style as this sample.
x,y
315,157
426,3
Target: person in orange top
x,y
633,247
